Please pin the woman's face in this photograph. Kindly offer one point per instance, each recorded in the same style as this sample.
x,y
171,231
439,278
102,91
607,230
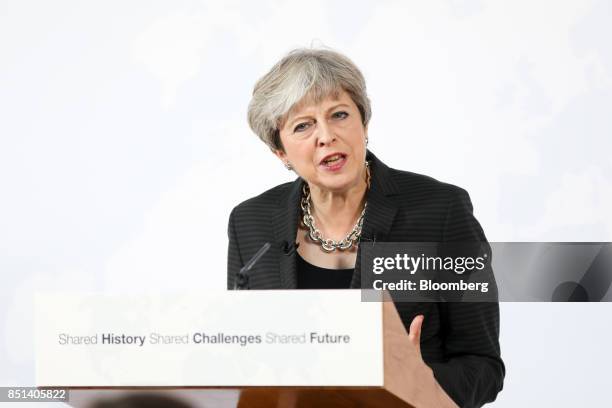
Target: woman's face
x,y
325,143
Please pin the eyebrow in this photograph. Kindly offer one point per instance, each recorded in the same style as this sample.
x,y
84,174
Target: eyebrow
x,y
292,121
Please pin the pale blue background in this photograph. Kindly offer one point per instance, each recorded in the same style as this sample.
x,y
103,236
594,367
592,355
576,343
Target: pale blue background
x,y
123,127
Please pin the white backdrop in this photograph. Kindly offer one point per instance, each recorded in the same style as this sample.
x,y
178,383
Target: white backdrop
x,y
124,145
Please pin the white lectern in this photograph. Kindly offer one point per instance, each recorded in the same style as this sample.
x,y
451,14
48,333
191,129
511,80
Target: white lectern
x,y
276,348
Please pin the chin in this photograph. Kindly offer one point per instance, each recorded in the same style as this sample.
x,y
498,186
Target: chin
x,y
338,183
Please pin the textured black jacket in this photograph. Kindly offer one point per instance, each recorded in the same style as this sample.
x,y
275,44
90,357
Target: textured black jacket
x,y
459,341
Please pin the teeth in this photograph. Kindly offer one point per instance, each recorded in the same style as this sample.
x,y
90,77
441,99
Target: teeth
x,y
333,158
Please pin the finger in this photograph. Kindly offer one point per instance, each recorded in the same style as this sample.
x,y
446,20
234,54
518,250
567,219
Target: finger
x,y
415,331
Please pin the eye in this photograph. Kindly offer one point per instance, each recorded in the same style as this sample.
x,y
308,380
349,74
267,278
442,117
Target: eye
x,y
301,127
340,115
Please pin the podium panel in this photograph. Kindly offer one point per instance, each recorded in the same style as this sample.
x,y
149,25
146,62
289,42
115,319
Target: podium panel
x,y
246,349
221,339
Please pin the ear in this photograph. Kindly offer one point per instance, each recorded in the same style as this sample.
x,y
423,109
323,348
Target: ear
x,y
281,155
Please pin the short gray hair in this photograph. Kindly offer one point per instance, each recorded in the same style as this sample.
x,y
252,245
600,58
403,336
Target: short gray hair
x,y
312,73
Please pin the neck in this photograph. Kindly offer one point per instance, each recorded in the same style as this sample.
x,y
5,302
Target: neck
x,y
337,212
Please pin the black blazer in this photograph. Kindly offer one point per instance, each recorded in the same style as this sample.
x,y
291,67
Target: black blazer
x,y
459,341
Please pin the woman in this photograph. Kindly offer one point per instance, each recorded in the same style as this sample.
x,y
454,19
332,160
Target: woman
x,y
312,110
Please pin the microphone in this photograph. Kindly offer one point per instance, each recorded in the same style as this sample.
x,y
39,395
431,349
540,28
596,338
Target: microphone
x,y
241,281
289,248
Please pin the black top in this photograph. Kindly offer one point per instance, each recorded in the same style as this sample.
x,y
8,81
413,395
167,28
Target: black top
x,y
310,276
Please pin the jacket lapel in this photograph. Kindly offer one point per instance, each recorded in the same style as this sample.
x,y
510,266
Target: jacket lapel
x,y
380,212
285,222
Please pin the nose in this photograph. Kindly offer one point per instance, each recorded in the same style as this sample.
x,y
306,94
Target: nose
x,y
325,134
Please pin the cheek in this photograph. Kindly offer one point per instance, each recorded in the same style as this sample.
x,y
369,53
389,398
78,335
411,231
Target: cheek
x,y
299,153
358,138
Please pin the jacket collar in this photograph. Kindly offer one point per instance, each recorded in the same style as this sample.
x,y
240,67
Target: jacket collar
x,y
376,225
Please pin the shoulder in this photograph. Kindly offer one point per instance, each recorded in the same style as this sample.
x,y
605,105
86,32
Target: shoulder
x,y
408,185
414,186
264,203
431,210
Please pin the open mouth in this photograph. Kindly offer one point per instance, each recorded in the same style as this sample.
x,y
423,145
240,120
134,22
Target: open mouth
x,y
333,161
333,158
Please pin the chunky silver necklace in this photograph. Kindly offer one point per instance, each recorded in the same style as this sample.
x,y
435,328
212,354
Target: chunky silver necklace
x,y
329,245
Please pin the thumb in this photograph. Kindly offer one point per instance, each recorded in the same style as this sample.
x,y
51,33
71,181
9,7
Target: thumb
x,y
415,332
